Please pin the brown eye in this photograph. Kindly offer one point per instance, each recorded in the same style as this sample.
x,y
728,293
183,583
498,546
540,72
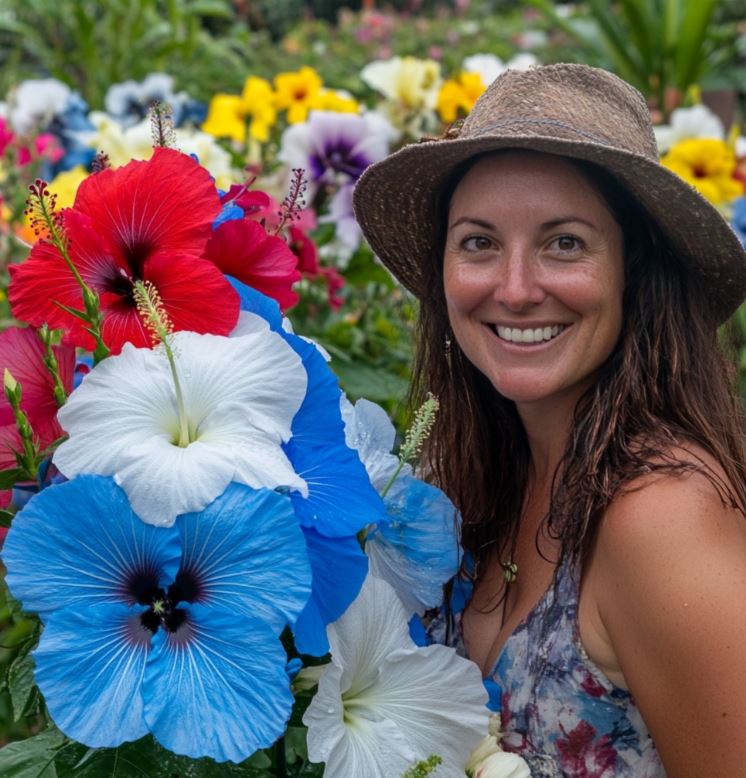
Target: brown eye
x,y
477,243
567,243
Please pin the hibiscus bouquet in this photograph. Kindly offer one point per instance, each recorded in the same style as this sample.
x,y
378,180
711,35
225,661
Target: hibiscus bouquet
x,y
221,553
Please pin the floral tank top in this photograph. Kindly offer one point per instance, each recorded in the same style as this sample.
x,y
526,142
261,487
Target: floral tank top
x,y
559,711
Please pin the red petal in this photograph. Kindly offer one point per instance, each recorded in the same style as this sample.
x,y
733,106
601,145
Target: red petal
x,y
22,352
305,249
44,279
195,294
10,442
246,199
243,249
166,203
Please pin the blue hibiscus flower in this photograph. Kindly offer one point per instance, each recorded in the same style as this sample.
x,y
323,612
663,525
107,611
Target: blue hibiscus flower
x,y
173,631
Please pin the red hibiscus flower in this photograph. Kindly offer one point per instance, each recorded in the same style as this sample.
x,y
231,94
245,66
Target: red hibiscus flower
x,y
146,221
243,249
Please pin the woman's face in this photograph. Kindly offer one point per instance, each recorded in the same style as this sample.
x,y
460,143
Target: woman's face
x,y
534,276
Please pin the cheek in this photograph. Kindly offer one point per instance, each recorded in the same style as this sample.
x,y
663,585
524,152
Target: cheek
x,y
464,287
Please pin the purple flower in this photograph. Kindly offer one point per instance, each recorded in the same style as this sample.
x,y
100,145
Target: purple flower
x,y
335,148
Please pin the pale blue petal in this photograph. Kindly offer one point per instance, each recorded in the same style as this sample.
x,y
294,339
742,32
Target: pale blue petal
x,y
246,553
90,664
339,569
79,543
217,687
416,548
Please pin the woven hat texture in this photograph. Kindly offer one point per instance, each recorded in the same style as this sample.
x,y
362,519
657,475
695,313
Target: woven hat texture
x,y
571,110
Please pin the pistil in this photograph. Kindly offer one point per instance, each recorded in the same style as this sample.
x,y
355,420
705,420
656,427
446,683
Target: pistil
x,y
159,327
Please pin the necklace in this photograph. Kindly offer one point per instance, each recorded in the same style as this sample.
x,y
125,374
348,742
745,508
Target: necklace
x,y
510,571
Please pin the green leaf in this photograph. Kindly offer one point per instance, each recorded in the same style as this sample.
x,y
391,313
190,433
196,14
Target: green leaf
x,y
362,380
73,311
295,744
21,683
33,757
9,478
145,758
690,49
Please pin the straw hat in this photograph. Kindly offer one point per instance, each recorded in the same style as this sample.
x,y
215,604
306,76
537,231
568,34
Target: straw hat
x,y
572,110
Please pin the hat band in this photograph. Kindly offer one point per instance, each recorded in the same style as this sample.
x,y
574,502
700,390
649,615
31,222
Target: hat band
x,y
490,128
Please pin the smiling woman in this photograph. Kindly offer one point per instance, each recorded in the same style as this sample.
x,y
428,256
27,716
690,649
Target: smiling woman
x,y
515,270
570,292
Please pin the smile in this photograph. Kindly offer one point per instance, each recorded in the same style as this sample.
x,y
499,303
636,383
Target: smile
x,y
530,335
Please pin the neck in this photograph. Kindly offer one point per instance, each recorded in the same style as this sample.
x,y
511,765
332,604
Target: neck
x,y
548,425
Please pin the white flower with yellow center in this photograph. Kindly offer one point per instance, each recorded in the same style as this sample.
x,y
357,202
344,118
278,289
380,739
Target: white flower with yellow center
x,y
383,704
175,445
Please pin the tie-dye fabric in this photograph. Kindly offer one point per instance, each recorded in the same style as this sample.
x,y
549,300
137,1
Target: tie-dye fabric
x,y
559,711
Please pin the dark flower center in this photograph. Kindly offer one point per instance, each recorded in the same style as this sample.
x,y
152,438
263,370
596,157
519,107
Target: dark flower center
x,y
163,605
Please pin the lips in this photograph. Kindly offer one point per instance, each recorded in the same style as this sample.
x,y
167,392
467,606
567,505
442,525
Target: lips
x,y
531,335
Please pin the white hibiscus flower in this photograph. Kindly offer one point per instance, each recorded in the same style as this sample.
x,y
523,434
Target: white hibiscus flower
x,y
383,704
239,396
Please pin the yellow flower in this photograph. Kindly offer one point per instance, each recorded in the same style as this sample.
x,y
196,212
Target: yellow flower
x,y
65,185
228,114
708,165
258,101
225,118
298,92
330,100
457,96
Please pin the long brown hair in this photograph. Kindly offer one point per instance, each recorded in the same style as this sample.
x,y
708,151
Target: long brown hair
x,y
666,384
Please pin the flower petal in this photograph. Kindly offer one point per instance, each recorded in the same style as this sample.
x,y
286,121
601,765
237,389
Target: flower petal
x,y
195,294
243,249
339,568
434,698
217,687
340,499
123,420
370,432
375,749
89,667
416,549
85,543
247,554
167,203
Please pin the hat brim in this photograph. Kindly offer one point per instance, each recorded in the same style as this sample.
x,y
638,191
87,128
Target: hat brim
x,y
396,202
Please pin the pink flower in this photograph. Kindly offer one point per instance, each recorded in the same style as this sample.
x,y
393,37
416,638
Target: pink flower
x,y
22,352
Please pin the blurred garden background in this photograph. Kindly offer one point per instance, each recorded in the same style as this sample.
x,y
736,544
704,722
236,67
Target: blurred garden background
x,y
259,89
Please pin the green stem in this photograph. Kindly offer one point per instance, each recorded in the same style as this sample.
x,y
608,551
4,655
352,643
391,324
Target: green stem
x,y
393,478
184,437
50,361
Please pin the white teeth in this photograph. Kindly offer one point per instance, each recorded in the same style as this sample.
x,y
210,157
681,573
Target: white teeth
x,y
537,335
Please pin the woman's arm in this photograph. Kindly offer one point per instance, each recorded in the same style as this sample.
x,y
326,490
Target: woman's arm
x,y
670,588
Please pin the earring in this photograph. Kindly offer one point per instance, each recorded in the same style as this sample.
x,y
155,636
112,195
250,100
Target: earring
x,y
447,351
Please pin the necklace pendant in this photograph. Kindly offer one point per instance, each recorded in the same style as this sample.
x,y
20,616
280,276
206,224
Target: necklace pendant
x,y
510,571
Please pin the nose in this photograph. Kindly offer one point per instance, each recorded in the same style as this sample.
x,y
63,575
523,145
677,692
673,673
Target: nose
x,y
518,286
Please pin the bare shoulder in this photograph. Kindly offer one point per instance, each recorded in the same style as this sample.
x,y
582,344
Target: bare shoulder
x,y
670,587
683,508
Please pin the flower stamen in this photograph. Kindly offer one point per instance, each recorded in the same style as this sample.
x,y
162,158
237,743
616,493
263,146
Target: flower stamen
x,y
159,327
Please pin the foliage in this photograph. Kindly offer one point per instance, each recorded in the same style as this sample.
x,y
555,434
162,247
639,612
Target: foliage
x,y
77,43
660,46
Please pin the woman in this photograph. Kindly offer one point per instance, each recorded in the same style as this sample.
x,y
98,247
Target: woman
x,y
570,291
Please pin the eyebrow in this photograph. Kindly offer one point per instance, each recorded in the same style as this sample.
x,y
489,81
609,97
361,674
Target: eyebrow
x,y
545,226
